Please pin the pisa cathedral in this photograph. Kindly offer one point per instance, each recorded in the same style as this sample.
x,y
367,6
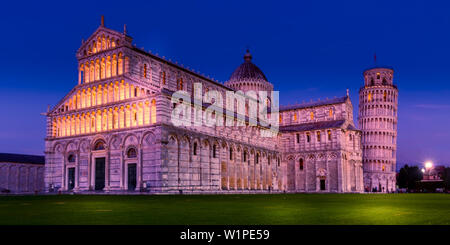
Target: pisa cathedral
x,y
113,132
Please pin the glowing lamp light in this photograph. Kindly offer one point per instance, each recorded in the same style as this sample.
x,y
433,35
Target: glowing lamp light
x,y
428,165
423,170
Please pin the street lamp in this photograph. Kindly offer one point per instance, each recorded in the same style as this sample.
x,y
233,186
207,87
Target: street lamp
x,y
427,170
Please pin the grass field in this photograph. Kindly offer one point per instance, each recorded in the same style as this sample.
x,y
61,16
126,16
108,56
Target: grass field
x,y
348,209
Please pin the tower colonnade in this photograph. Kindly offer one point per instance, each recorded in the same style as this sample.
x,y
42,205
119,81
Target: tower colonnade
x,y
378,104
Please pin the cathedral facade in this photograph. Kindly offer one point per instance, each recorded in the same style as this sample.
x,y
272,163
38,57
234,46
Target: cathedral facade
x,y
113,132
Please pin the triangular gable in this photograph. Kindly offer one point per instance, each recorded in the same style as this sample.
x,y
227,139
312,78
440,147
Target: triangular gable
x,y
64,99
106,32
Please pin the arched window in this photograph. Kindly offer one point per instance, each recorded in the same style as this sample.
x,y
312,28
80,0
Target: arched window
x,y
257,158
100,145
311,115
308,137
195,149
369,97
131,153
231,153
214,151
318,136
81,75
180,83
71,158
163,75
330,112
295,117
384,96
245,156
329,135
300,162
153,111
145,71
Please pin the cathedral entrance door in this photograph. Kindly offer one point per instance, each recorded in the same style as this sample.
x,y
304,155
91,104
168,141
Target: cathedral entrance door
x,y
99,173
322,184
71,179
132,177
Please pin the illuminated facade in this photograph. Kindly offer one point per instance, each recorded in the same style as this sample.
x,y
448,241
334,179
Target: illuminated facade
x,y
378,103
113,132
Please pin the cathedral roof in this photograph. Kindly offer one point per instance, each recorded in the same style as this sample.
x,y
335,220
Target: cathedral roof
x,y
164,60
317,126
247,71
312,126
332,101
20,158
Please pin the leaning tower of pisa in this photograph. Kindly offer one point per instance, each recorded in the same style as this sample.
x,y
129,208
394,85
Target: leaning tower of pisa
x,y
378,100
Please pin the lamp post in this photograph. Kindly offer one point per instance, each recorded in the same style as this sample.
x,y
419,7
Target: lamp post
x,y
428,167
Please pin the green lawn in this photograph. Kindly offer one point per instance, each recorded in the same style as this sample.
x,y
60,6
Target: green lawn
x,y
348,209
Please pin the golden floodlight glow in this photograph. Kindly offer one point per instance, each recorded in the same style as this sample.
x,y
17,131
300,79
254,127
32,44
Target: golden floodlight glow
x,y
428,165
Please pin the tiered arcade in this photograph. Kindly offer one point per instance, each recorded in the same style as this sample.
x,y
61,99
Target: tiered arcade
x,y
378,100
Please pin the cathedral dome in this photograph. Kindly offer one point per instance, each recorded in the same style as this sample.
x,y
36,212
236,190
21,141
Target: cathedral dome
x,y
248,77
247,71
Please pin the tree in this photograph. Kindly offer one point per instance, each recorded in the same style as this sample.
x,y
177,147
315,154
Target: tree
x,y
408,177
446,178
402,178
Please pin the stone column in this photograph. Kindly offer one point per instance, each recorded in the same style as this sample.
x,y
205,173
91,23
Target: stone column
x,y
130,93
340,162
8,167
77,170
122,169
306,168
113,92
95,71
139,168
36,180
27,173
18,178
63,171
91,170
328,173
107,168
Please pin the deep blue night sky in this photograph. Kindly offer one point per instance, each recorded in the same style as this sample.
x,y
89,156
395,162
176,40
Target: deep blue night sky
x,y
307,49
